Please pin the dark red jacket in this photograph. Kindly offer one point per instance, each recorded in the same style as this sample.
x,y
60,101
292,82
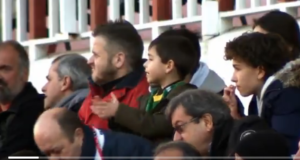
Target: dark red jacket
x,y
127,91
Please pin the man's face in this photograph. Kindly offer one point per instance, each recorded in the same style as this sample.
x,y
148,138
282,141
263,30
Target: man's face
x,y
248,80
12,79
57,146
169,154
53,88
154,68
101,62
187,129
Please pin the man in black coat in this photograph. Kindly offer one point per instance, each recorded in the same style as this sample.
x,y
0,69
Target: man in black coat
x,y
20,103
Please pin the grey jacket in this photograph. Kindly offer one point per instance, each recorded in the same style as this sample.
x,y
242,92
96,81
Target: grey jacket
x,y
74,101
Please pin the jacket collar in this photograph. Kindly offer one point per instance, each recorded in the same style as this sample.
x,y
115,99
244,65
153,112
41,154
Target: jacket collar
x,y
73,98
128,81
289,75
28,93
88,148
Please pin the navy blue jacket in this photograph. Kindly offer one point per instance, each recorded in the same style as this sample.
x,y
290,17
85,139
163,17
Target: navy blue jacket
x,y
281,105
117,144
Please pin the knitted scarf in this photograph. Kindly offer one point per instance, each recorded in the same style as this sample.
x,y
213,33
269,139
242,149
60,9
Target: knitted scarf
x,y
157,95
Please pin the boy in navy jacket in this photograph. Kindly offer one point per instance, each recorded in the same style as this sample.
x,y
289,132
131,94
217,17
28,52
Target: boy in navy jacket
x,y
256,58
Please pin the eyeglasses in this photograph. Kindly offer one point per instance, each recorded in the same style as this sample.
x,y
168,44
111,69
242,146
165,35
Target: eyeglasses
x,y
180,127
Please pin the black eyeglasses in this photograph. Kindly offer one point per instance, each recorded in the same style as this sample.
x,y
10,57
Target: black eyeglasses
x,y
180,127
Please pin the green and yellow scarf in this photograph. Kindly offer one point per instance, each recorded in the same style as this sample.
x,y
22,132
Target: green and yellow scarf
x,y
157,95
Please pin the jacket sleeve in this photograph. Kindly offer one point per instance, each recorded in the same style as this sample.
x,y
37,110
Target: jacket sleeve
x,y
148,125
286,116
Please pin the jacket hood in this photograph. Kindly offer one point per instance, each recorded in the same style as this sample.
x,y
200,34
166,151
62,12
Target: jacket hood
x,y
207,79
290,74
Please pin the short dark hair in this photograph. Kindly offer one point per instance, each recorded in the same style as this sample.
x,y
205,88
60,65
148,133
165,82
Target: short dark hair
x,y
283,24
121,35
178,49
199,102
68,122
259,50
23,56
188,151
193,37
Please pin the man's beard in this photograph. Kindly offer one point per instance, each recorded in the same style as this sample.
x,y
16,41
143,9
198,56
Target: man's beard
x,y
6,94
107,75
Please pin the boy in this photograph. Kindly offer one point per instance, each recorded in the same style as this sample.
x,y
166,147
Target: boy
x,y
202,76
256,58
170,60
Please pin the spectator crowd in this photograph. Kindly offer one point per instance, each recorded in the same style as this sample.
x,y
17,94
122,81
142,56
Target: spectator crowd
x,y
117,105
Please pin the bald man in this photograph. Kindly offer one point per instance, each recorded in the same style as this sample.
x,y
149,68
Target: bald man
x,y
59,134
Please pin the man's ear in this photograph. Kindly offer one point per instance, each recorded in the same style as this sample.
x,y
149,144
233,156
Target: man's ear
x,y
208,122
119,59
66,83
78,134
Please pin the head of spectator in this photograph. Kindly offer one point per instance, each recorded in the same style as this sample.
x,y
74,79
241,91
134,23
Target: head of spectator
x,y
283,24
117,50
65,137
176,150
69,138
264,144
255,57
199,112
167,64
14,70
67,76
194,40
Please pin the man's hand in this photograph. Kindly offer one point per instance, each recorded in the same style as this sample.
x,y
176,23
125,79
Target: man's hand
x,y
231,101
104,109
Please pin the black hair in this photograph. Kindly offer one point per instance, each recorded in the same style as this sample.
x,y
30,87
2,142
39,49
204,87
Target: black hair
x,y
283,24
178,49
193,37
121,35
268,51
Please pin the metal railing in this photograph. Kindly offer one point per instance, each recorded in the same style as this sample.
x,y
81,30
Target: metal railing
x,y
39,23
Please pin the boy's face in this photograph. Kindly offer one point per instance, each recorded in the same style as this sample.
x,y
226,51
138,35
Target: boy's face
x,y
248,80
154,68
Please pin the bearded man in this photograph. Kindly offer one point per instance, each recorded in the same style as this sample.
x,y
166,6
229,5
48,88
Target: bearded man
x,y
117,73
20,103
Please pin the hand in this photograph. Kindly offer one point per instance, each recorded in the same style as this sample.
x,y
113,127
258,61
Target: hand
x,y
104,109
231,101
